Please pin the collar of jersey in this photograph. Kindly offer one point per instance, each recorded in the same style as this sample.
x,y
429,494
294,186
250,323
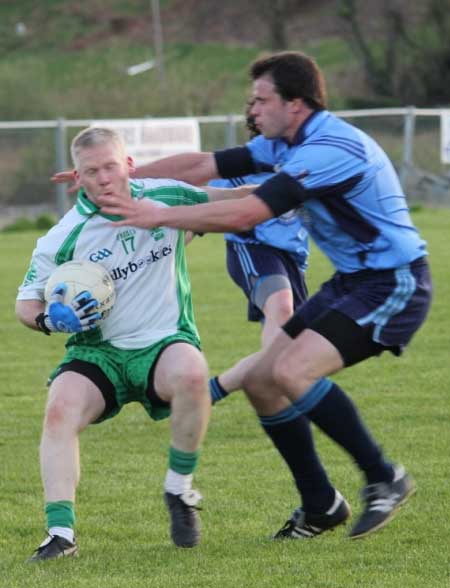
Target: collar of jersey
x,y
87,208
308,126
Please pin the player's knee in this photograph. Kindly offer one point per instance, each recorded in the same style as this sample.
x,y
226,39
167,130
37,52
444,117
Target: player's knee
x,y
62,413
57,416
283,311
281,377
193,381
286,313
253,384
54,415
288,380
279,306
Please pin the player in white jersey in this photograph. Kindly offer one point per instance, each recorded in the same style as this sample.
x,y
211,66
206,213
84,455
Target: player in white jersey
x,y
146,267
147,349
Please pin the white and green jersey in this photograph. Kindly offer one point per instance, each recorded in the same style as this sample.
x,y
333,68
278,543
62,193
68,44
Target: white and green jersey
x,y
148,266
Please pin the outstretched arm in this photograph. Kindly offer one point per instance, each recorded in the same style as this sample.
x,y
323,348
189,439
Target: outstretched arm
x,y
213,217
193,168
215,194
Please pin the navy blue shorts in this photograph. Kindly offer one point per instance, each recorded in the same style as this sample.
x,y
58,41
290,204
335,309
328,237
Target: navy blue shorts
x,y
252,267
365,313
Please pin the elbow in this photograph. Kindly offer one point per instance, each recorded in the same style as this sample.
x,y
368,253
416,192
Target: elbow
x,y
18,309
27,310
19,312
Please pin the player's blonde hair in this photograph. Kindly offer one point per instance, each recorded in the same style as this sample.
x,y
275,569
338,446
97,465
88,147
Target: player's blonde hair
x,y
93,136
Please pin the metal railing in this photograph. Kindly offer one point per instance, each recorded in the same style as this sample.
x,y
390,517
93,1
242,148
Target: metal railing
x,y
410,136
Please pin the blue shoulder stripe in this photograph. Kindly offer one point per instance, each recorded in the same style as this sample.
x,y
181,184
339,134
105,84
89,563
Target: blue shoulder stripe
x,y
352,149
350,143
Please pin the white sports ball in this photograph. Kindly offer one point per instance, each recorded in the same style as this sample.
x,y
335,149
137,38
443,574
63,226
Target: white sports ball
x,y
84,275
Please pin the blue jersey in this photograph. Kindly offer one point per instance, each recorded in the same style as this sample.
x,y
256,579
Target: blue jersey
x,y
355,208
286,232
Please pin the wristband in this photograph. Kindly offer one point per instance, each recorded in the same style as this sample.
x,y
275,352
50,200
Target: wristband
x,y
40,323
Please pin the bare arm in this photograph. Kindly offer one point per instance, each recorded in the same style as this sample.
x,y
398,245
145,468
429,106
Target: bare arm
x,y
217,217
27,311
215,194
233,215
194,168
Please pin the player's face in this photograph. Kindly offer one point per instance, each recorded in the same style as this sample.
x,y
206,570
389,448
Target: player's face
x,y
104,170
274,116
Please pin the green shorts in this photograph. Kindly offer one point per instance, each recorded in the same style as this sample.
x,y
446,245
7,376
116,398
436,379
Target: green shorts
x,y
127,370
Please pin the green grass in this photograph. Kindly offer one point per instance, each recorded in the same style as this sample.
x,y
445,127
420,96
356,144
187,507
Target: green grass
x,y
74,66
122,525
201,79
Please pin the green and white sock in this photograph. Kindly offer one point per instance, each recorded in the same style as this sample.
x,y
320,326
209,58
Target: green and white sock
x,y
65,532
176,483
61,518
179,475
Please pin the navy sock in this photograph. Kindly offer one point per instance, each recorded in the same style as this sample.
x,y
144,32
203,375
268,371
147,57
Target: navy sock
x,y
291,435
338,418
216,390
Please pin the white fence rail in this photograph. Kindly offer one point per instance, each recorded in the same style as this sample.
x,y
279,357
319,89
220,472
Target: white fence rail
x,y
31,151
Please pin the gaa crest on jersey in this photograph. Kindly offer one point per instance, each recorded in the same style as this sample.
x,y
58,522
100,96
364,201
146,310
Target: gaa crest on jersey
x,y
99,255
157,233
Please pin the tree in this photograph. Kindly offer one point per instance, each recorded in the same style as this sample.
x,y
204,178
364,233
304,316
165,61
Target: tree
x,y
277,14
426,78
411,60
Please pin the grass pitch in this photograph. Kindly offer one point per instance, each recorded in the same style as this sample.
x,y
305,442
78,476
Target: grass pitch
x,y
122,525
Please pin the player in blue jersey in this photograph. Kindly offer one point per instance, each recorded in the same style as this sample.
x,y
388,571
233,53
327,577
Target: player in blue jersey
x,y
268,264
376,300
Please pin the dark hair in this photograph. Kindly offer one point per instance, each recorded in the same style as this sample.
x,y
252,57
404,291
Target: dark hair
x,y
295,75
